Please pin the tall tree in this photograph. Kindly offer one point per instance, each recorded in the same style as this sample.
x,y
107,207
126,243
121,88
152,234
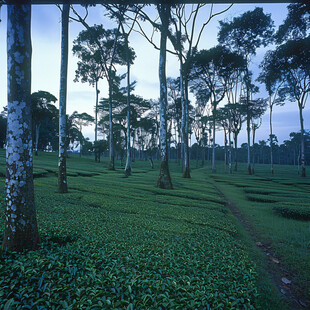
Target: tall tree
x,y
82,119
209,72
21,231
62,169
164,178
185,42
89,69
41,110
117,11
111,47
297,23
274,83
292,60
175,108
293,57
244,34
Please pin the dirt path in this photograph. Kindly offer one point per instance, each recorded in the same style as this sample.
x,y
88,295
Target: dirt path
x,y
278,272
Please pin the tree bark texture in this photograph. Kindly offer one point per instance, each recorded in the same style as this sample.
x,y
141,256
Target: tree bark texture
x,y
186,173
302,144
62,169
164,178
96,119
248,129
21,231
111,144
37,138
236,151
128,158
213,142
271,137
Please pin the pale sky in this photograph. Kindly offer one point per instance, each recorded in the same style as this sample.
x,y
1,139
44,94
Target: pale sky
x,y
46,29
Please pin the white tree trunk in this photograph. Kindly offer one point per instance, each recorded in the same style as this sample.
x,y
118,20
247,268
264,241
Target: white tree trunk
x,y
248,129
213,144
111,145
164,179
128,158
62,172
96,119
37,138
302,143
186,173
21,230
270,138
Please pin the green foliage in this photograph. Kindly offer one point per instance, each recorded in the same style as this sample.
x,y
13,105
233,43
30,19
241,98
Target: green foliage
x,y
115,242
277,207
293,212
260,198
247,32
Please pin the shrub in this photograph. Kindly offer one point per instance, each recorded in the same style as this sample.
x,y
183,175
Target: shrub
x,y
296,213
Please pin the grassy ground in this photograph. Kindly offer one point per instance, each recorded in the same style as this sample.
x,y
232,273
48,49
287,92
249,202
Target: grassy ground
x,y
278,207
116,242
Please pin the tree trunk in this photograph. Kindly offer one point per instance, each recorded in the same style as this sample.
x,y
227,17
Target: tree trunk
x,y
62,170
183,118
270,138
96,120
133,150
197,155
186,173
230,160
203,156
37,138
248,129
213,142
128,158
225,149
81,142
253,161
164,179
236,151
21,231
151,161
111,148
302,143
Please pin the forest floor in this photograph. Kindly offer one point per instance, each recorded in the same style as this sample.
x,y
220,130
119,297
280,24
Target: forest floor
x,y
122,243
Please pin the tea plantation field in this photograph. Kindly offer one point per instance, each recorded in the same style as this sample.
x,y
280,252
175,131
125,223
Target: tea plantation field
x,y
121,243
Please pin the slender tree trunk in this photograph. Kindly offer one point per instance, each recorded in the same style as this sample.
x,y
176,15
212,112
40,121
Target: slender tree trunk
x,y
164,179
253,161
37,138
270,138
111,148
203,156
21,231
197,155
248,129
213,142
133,150
186,173
302,143
225,149
128,158
182,156
81,142
62,170
230,160
183,117
96,120
236,151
